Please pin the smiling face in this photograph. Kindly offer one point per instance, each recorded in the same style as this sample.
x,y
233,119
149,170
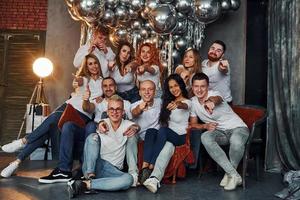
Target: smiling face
x,y
145,54
189,59
147,91
115,110
200,89
109,87
124,53
215,52
93,66
174,88
99,39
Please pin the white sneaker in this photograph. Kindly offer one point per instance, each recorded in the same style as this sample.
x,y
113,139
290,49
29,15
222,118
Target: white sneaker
x,y
135,180
225,180
234,181
13,146
152,184
10,169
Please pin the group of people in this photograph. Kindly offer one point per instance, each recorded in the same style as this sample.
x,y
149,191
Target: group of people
x,y
121,100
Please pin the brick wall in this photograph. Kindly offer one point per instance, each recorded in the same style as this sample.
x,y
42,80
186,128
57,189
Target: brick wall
x,y
23,14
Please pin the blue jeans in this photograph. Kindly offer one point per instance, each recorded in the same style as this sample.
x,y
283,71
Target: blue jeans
x,y
130,95
155,140
91,127
108,177
48,129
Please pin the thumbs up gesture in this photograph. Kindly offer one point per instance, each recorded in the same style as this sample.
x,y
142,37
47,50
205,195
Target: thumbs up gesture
x,y
87,94
77,81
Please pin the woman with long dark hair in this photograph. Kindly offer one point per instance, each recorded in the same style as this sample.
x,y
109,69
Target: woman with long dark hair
x,y
174,116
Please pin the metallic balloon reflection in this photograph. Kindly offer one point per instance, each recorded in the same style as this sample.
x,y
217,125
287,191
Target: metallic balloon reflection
x,y
108,17
183,6
111,4
181,44
121,14
89,9
118,35
207,11
137,5
235,4
181,26
225,5
163,19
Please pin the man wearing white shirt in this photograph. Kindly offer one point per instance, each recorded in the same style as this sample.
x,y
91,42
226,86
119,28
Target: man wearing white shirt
x,y
98,47
221,123
217,69
104,153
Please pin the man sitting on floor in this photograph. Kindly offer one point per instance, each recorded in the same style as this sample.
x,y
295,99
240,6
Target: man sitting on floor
x,y
104,153
221,123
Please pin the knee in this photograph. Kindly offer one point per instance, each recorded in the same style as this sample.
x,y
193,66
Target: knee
x,y
92,139
206,138
237,143
131,141
127,181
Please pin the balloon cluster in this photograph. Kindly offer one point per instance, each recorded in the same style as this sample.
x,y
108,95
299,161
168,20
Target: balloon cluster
x,y
153,20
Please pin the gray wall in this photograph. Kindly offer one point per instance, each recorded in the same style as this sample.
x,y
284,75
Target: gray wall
x,y
231,28
62,42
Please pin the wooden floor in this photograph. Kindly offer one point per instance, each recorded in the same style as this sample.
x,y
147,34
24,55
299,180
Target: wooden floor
x,y
24,186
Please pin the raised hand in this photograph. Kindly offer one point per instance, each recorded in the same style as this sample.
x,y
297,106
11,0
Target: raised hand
x,y
209,106
87,93
77,81
143,106
103,127
223,66
131,131
211,126
111,64
140,70
172,106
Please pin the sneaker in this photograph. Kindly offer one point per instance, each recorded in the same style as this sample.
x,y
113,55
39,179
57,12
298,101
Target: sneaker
x,y
144,175
75,187
152,184
56,176
135,180
225,180
14,146
234,181
10,169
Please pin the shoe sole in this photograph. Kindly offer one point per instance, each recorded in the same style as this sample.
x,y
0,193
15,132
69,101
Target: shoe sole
x,y
70,189
150,188
54,180
239,184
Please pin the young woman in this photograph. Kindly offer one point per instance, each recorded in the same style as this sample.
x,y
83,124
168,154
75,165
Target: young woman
x,y
122,70
149,67
88,76
174,116
191,64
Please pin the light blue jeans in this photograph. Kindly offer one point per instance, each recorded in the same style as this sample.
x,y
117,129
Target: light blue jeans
x,y
108,177
236,138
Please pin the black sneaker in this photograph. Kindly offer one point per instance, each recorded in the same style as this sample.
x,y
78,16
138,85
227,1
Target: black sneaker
x,y
56,176
77,187
144,175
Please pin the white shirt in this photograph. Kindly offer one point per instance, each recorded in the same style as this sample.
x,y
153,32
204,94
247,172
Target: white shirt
x,y
222,114
218,81
148,118
76,97
113,143
101,109
102,57
152,77
124,83
179,119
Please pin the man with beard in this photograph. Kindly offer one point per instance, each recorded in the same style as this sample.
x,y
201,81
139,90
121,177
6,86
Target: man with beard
x,y
218,70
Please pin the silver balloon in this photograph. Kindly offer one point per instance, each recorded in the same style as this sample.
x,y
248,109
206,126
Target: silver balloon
x,y
137,5
108,17
183,6
121,13
147,26
181,44
225,5
151,4
124,2
166,1
111,4
144,33
89,9
133,14
163,19
207,11
235,4
176,54
181,26
118,35
136,25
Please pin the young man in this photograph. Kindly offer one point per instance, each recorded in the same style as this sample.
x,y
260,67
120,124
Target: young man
x,y
221,123
145,113
109,88
98,47
218,70
104,153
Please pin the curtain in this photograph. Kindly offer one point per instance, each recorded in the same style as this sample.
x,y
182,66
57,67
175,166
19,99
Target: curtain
x,y
283,126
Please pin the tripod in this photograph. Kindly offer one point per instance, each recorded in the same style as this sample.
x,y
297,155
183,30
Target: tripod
x,y
40,98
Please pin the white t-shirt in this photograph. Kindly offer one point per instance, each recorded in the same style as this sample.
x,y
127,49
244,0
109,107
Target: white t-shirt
x,y
149,118
222,114
102,57
101,109
218,81
124,83
76,97
153,77
113,143
179,119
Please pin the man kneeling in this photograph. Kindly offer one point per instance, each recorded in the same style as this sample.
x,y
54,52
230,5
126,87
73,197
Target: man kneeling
x,y
104,153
